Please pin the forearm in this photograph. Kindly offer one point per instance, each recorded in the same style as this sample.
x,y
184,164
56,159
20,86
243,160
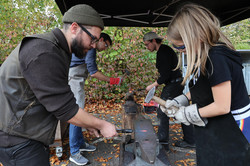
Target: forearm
x,y
212,110
152,85
85,120
155,84
100,76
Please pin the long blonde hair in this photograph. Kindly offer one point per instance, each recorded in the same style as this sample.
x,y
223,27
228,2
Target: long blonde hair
x,y
199,30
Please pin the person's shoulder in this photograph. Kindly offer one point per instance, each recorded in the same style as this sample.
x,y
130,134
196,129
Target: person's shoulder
x,y
165,49
217,48
224,54
91,51
38,44
216,54
164,46
220,50
36,48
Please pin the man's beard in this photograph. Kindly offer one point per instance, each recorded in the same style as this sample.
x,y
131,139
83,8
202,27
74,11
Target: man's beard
x,y
77,48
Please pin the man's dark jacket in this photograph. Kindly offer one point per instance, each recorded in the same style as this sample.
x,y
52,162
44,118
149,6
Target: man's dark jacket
x,y
25,112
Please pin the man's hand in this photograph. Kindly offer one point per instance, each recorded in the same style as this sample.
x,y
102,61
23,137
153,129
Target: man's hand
x,y
108,129
93,124
93,131
190,115
115,81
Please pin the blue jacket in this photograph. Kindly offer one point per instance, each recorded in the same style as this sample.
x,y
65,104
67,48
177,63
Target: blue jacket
x,y
89,59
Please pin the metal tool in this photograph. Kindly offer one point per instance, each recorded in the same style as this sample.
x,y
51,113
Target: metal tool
x,y
59,151
146,139
124,130
141,89
158,100
151,96
142,146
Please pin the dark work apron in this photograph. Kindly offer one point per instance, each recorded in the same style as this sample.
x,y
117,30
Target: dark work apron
x,y
221,142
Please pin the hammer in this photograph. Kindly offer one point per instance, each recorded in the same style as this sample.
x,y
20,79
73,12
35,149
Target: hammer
x,y
124,130
151,96
158,100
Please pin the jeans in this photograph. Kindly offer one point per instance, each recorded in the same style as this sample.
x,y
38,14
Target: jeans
x,y
28,153
77,77
171,91
75,139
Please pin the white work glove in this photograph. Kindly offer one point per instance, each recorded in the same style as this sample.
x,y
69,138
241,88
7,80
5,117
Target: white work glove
x,y
190,115
172,106
178,101
169,111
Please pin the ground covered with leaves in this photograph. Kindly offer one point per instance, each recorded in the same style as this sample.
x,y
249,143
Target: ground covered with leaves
x,y
108,150
111,111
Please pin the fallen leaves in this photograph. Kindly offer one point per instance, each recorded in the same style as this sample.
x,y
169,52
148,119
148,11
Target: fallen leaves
x,y
111,111
192,151
103,107
113,154
186,162
54,160
176,132
117,150
101,159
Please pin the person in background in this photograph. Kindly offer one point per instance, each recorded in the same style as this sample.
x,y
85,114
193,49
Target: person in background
x,y
78,73
166,62
34,90
220,109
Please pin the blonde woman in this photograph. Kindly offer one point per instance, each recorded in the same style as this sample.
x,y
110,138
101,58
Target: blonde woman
x,y
220,102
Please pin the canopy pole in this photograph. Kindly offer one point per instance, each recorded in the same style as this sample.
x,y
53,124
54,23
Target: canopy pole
x,y
132,20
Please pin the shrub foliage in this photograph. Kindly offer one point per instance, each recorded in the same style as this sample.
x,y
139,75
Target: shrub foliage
x,y
25,17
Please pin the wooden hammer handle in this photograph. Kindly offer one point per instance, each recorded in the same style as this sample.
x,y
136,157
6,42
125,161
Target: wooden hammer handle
x,y
159,100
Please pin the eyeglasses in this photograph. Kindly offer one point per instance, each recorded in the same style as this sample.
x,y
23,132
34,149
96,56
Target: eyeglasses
x,y
180,47
93,38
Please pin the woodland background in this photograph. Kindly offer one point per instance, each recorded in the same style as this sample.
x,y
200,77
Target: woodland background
x,y
19,18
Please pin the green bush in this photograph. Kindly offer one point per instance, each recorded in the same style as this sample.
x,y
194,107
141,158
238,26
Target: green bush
x,y
20,18
128,52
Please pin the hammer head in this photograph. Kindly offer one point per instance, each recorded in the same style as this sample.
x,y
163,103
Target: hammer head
x,y
150,95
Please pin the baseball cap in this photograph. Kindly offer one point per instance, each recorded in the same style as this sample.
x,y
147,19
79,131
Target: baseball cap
x,y
150,36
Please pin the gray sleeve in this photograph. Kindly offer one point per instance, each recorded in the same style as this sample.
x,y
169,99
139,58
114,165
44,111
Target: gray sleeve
x,y
46,74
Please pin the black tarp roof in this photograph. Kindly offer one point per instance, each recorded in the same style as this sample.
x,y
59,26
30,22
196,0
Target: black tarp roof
x,y
157,13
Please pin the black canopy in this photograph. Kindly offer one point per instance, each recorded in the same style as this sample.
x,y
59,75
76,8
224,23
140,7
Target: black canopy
x,y
157,13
